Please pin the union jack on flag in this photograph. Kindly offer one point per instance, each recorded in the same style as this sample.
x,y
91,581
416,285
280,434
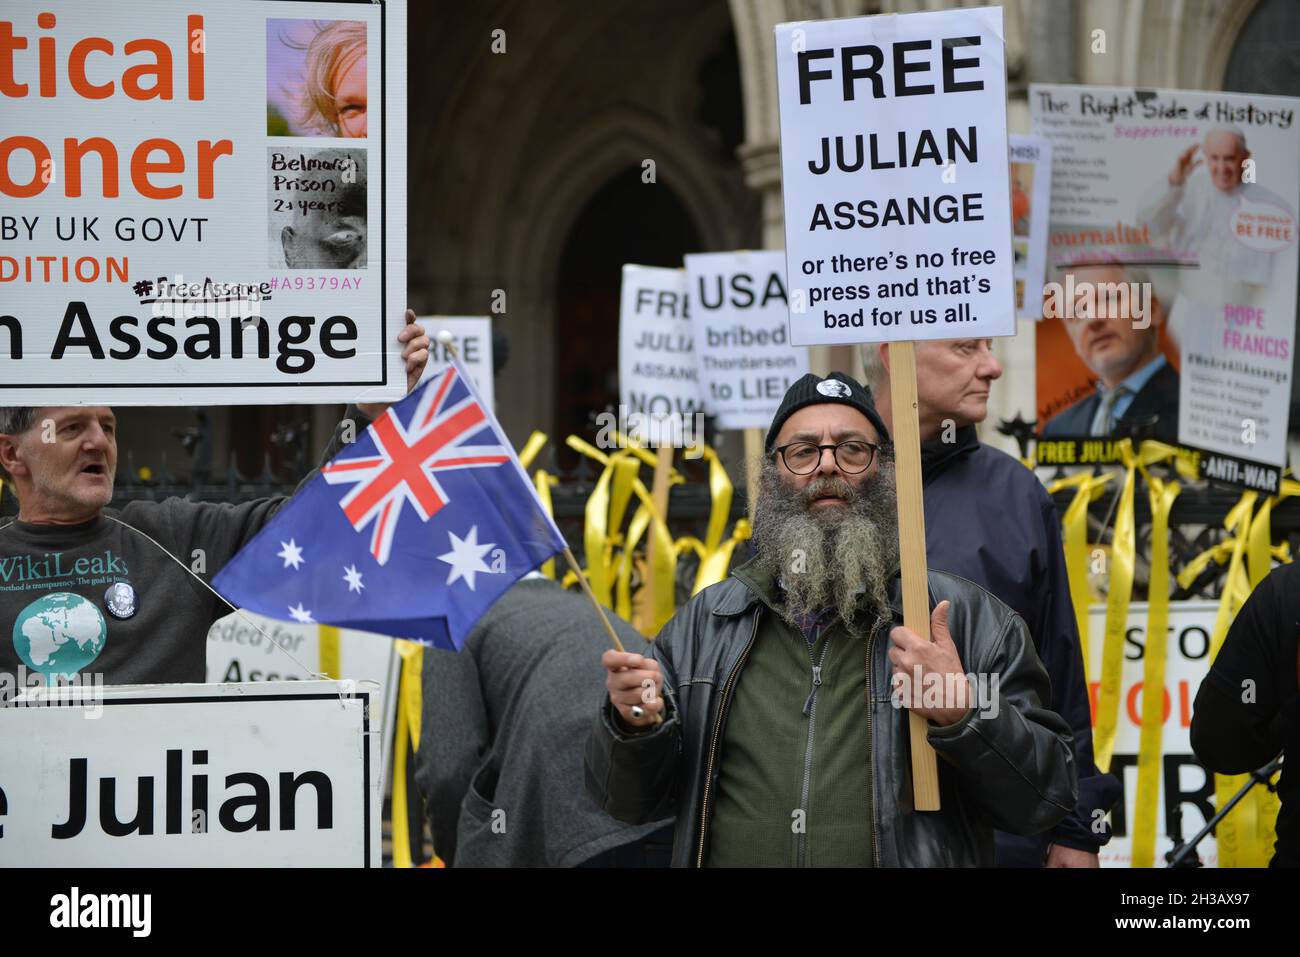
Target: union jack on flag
x,y
413,530
409,460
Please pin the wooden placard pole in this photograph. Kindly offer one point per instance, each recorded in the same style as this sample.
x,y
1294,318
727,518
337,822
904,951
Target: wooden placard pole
x,y
753,466
911,541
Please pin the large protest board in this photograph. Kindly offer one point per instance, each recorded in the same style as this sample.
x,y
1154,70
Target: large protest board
x,y
894,170
471,336
740,314
1172,272
238,651
277,774
197,204
658,381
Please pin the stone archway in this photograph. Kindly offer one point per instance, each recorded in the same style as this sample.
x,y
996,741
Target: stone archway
x,y
519,143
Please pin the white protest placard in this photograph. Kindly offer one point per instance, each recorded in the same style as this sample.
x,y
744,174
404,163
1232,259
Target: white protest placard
x,y
1184,781
894,166
472,338
275,774
1031,194
291,651
740,314
198,203
658,381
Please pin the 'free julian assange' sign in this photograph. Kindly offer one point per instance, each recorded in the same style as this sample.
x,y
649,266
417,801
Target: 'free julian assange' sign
x,y
658,382
740,313
274,774
202,202
894,165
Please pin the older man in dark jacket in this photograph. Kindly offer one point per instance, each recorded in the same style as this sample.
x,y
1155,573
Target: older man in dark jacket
x,y
1011,545
764,715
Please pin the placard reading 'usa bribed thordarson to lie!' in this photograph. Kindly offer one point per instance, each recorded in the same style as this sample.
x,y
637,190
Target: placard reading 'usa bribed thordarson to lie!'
x,y
894,165
739,312
201,201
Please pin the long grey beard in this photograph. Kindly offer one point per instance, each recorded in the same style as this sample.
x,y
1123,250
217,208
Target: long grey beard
x,y
828,560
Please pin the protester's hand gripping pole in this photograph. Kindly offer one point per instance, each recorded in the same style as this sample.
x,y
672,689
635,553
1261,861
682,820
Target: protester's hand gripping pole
x,y
604,619
911,540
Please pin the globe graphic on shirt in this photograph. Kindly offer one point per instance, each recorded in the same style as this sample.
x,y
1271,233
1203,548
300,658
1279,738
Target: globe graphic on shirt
x,y
59,634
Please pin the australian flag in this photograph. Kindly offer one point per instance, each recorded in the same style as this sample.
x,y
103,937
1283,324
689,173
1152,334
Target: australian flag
x,y
413,531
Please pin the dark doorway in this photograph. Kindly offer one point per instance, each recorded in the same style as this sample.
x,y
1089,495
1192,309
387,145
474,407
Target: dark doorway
x,y
626,221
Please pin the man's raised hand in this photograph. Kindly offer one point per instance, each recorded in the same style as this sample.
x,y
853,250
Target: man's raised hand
x,y
415,354
1183,168
634,681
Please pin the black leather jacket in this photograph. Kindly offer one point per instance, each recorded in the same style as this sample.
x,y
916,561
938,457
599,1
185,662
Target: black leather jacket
x,y
1013,771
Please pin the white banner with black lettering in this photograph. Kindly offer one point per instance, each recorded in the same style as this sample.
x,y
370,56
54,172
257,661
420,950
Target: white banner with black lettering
x,y
275,774
894,169
472,338
740,314
658,382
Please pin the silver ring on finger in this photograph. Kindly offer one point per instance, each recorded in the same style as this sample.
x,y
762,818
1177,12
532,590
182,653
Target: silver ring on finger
x,y
638,711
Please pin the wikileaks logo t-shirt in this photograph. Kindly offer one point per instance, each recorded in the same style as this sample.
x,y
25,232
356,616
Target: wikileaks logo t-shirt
x,y
60,633
101,601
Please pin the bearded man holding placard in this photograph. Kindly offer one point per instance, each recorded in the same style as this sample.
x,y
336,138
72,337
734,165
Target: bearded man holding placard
x,y
763,714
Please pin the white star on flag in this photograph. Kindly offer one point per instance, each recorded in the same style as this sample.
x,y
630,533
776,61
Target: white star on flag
x,y
466,557
300,614
291,554
353,578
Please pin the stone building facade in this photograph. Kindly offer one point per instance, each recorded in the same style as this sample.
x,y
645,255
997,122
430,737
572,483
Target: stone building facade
x,y
533,124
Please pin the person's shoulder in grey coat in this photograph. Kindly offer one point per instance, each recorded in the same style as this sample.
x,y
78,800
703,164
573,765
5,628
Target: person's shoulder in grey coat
x,y
500,763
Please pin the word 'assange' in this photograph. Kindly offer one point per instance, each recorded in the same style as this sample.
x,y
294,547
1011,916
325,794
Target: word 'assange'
x,y
863,67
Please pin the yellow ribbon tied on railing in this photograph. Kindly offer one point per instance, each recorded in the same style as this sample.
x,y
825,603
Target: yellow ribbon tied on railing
x,y
714,565
410,699
1235,833
327,636
545,481
1150,745
531,448
1075,540
1119,595
598,541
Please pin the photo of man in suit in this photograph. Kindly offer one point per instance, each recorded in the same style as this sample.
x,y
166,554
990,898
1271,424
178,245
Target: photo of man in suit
x,y
1118,338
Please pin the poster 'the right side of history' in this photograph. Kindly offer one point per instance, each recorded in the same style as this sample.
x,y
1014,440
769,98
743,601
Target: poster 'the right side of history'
x,y
1169,309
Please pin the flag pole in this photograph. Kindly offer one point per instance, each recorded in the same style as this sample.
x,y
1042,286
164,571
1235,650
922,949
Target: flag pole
x,y
582,580
604,619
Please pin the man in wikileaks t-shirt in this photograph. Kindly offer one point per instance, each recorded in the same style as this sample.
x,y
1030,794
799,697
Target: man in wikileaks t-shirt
x,y
83,589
